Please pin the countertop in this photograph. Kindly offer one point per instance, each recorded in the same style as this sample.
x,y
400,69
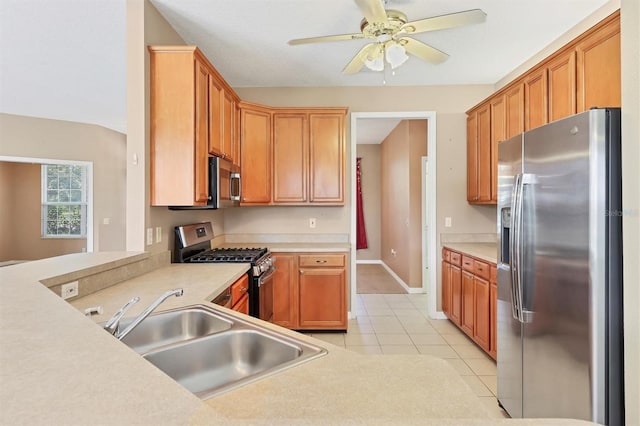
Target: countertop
x,y
484,251
59,367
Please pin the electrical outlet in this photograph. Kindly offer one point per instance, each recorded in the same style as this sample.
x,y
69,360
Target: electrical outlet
x,y
312,222
106,221
69,290
447,222
149,236
158,234
394,252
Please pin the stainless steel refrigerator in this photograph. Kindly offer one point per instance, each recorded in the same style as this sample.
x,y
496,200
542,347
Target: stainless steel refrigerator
x,y
559,270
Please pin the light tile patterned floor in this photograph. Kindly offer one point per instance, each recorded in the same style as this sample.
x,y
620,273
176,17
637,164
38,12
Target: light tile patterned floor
x,y
399,324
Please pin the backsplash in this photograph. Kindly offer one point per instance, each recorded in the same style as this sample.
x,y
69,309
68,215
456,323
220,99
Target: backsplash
x,y
468,238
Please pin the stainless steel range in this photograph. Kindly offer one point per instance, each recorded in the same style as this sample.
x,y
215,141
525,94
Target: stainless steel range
x,y
193,245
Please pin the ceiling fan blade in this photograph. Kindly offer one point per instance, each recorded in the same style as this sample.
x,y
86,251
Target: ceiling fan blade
x,y
423,51
372,10
357,62
338,37
458,19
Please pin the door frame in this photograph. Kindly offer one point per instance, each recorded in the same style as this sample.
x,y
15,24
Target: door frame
x,y
87,164
429,279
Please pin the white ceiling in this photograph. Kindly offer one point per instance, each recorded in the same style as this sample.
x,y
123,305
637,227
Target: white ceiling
x,y
374,130
65,59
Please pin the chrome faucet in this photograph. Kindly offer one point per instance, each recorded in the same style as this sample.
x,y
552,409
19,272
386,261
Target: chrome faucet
x,y
113,324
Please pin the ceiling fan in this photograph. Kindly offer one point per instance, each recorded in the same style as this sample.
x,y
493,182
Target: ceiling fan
x,y
390,30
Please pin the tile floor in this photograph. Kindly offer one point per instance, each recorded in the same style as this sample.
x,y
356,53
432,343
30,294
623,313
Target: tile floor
x,y
399,324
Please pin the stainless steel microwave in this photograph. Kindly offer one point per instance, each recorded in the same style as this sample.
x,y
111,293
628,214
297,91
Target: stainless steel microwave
x,y
224,186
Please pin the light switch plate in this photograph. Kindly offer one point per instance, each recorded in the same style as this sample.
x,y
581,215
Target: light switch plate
x,y
447,222
158,234
149,236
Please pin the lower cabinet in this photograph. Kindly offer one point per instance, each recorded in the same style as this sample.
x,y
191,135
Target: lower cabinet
x,y
310,291
240,295
469,291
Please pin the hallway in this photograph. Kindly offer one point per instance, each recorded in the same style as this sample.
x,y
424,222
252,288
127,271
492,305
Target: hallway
x,y
374,279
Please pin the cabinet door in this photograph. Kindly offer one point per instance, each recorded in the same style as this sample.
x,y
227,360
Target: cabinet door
x,y
535,99
285,299
243,305
472,157
514,110
228,110
326,158
290,153
493,306
599,69
255,156
484,153
322,298
235,151
481,327
215,116
201,166
562,86
446,288
466,322
498,134
456,295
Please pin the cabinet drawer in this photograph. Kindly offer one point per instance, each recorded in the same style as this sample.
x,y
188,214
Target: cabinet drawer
x,y
310,260
493,276
481,269
446,255
467,263
239,289
455,258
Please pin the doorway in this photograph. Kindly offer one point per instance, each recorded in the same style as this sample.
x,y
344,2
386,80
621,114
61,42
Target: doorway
x,y
428,237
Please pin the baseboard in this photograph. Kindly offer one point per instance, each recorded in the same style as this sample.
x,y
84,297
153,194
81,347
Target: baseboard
x,y
438,315
368,262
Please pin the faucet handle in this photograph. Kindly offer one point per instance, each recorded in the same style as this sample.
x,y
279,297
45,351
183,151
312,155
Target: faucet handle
x,y
112,325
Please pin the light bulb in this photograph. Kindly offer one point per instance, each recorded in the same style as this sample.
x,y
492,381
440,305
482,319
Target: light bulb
x,y
395,55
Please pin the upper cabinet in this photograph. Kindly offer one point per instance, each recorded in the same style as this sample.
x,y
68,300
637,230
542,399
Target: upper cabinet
x,y
306,157
581,75
189,121
255,157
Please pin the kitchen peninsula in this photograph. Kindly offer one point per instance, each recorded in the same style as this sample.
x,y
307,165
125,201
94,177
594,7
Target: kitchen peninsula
x,y
59,367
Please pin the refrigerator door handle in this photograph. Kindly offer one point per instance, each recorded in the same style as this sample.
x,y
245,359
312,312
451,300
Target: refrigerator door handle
x,y
526,179
514,247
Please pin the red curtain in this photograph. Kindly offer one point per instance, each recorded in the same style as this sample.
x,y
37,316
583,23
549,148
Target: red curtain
x,y
361,232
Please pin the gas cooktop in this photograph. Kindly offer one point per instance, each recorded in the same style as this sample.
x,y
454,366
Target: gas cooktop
x,y
229,255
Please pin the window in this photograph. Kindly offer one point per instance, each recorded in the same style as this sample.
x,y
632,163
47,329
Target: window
x,y
64,201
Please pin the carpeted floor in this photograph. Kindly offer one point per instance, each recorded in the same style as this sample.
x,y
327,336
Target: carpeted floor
x,y
374,279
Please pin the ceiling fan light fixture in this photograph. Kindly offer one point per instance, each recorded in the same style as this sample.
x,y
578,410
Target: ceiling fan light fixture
x,y
395,54
374,64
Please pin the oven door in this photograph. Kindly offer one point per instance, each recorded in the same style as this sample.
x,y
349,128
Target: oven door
x,y
265,291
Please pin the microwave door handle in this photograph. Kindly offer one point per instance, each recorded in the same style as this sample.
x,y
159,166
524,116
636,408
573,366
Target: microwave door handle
x,y
234,176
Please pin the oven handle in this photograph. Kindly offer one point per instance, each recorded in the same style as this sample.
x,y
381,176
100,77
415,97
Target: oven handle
x,y
266,276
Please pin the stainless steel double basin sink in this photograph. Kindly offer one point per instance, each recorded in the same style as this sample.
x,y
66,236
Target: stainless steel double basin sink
x,y
209,352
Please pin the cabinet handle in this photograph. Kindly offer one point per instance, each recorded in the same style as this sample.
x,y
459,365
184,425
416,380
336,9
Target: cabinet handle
x,y
321,261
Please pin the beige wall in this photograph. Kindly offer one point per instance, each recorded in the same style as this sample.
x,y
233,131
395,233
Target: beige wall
x,y
20,224
64,140
401,218
370,174
630,45
147,27
394,218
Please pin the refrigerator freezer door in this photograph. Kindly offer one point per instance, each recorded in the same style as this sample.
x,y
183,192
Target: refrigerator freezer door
x,y
557,347
509,340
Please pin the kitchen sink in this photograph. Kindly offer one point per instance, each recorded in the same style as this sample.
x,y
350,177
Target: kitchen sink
x,y
218,363
210,352
166,328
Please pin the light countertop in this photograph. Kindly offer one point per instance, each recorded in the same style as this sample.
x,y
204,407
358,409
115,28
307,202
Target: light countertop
x,y
58,367
484,251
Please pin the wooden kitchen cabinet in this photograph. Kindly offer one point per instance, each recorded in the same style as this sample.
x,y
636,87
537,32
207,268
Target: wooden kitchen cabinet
x,y
468,305
481,326
255,154
310,291
290,157
228,126
583,74
535,98
186,107
285,290
493,313
469,289
561,73
479,156
326,157
599,67
179,127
